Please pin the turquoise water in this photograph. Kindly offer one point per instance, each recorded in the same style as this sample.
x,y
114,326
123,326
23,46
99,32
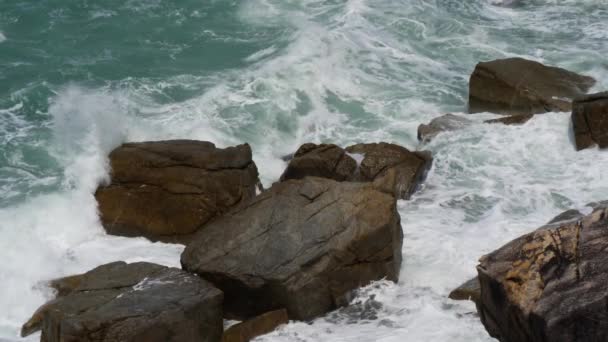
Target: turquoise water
x,y
78,78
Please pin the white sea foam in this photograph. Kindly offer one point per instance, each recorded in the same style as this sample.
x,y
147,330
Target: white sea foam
x,y
358,157
59,234
2,37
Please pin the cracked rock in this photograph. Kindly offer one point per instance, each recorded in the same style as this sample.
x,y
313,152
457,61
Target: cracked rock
x,y
303,245
391,168
131,302
167,190
515,86
549,285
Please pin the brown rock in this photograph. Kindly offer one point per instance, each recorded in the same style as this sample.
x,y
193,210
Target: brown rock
x,y
444,123
166,190
467,291
391,168
512,119
590,121
304,245
516,86
258,326
549,285
132,302
327,161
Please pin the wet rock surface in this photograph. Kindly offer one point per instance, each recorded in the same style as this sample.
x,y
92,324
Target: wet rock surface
x,y
469,290
303,245
131,302
511,120
549,285
444,123
516,86
257,326
325,160
166,190
590,121
391,168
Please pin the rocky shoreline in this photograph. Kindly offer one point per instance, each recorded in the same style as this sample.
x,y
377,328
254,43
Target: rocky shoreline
x,y
327,227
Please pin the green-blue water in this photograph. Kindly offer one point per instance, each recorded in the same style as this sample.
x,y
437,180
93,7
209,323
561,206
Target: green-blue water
x,y
79,77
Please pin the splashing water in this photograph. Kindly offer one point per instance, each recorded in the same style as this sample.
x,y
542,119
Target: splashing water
x,y
77,79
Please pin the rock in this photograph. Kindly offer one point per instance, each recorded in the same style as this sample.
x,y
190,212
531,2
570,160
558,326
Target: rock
x,y
549,285
391,168
258,326
304,245
567,215
507,3
590,121
166,190
516,86
327,161
467,291
132,302
447,122
512,119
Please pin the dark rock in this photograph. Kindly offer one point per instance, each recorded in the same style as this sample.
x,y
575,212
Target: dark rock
x,y
131,302
512,119
590,121
516,86
303,245
507,3
447,122
257,326
549,285
567,215
467,291
166,190
391,168
327,161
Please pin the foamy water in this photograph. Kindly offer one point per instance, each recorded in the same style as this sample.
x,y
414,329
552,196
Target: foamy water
x,y
278,74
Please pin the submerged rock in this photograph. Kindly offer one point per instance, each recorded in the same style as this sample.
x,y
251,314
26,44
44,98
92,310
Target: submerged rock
x,y
131,302
512,119
549,285
166,190
470,290
590,121
391,168
303,245
257,326
516,86
444,123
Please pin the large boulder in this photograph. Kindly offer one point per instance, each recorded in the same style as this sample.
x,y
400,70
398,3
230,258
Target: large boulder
x,y
166,190
444,123
303,245
391,168
590,120
549,285
131,302
517,86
